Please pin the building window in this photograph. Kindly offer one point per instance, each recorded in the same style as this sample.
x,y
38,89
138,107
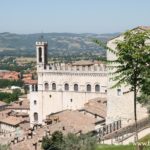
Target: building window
x,y
88,88
32,87
46,86
75,87
66,87
54,86
35,116
40,54
97,88
119,92
35,102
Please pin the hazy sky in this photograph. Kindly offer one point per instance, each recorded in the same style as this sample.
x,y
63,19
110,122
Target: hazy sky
x,y
77,16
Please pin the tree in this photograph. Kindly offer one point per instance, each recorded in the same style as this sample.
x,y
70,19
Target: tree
x,y
132,55
46,143
133,63
69,142
53,143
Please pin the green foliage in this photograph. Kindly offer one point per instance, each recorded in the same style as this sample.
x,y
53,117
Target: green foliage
x,y
4,147
116,147
46,143
10,97
144,99
53,143
61,44
132,64
69,142
132,59
145,139
8,83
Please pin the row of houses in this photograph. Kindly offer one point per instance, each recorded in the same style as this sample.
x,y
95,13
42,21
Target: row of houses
x,y
13,75
14,116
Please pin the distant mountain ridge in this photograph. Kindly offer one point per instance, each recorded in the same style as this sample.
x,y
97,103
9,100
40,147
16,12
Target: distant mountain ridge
x,y
12,44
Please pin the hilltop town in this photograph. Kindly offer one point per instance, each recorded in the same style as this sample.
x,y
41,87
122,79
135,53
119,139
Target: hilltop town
x,y
39,97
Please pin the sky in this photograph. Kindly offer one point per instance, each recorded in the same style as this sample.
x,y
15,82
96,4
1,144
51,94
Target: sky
x,y
76,16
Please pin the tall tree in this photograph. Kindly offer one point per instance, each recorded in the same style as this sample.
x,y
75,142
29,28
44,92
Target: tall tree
x,y
133,63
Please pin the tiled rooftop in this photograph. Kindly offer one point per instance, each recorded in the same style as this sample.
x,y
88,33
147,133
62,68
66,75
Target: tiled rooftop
x,y
11,120
96,106
74,121
22,104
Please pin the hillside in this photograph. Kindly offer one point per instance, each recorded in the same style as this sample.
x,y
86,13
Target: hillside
x,y
60,44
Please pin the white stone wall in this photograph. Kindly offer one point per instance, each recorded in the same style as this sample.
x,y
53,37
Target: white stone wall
x,y
7,128
120,106
22,110
50,101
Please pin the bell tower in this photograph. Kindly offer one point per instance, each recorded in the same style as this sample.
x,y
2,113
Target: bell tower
x,y
41,53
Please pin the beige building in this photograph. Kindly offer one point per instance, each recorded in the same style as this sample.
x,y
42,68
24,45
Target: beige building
x,y
64,86
11,124
120,102
69,86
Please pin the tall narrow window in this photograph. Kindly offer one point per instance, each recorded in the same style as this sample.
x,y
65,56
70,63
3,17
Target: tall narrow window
x,y
119,92
66,87
45,54
46,86
35,116
54,86
40,54
75,87
88,88
97,88
35,102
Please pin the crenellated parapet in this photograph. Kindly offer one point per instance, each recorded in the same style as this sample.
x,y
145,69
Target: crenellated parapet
x,y
62,67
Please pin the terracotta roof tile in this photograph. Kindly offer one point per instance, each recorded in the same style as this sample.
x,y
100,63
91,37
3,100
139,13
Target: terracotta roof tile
x,y
11,120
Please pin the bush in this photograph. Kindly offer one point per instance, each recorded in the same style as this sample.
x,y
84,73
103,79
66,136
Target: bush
x,y
69,142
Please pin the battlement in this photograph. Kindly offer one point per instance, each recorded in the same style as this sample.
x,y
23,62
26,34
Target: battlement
x,y
62,67
41,43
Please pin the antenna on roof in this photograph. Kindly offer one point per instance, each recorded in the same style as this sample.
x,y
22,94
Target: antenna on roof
x,y
41,37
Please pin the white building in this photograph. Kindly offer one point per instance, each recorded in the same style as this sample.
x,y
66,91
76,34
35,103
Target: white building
x,y
120,102
64,86
70,86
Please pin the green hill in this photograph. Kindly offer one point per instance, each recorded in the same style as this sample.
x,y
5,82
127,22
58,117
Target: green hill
x,y
59,43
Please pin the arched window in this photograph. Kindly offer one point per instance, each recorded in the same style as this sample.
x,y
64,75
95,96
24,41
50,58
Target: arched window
x,y
119,92
97,88
35,102
88,88
35,116
32,87
53,86
75,87
40,54
66,87
46,86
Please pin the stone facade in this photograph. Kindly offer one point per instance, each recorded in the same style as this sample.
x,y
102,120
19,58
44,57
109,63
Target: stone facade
x,y
64,86
120,102
70,86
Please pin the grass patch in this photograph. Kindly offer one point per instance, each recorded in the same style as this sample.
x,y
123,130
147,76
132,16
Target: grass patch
x,y
145,139
116,147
